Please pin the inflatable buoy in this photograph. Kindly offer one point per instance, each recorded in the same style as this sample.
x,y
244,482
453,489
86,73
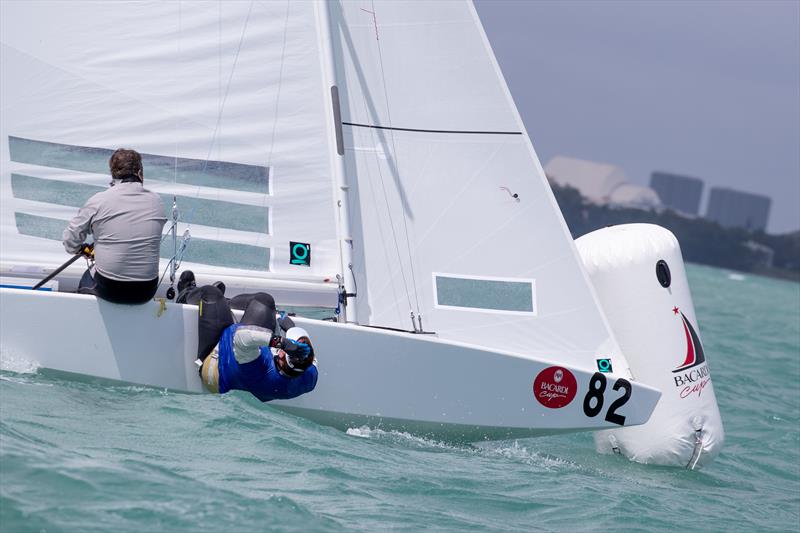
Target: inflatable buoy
x,y
638,274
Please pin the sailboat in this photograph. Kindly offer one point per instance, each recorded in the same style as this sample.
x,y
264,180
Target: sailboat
x,y
361,156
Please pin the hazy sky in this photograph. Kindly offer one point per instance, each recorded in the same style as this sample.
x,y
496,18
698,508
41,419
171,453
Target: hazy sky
x,y
709,89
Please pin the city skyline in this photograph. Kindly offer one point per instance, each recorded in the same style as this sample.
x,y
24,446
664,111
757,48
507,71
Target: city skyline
x,y
704,89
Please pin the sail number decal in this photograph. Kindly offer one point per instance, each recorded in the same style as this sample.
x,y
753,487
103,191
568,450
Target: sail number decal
x,y
593,401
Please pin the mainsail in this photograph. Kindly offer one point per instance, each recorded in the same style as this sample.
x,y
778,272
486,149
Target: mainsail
x,y
454,220
224,100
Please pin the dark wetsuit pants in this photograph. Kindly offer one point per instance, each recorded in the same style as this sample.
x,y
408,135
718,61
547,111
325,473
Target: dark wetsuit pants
x,y
119,292
215,314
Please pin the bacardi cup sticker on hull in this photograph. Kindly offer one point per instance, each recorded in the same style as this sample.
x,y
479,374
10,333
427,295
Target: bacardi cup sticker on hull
x,y
555,387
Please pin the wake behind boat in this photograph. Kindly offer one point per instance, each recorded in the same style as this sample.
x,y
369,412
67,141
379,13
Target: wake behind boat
x,y
368,158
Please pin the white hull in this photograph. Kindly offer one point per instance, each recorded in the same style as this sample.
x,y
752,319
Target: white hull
x,y
372,376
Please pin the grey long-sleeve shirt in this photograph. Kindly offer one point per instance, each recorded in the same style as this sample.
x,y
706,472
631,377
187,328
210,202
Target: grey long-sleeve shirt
x,y
126,221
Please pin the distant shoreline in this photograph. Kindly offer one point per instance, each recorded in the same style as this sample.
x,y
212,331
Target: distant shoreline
x,y
702,241
778,273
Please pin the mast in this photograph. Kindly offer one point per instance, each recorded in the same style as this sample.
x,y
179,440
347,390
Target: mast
x,y
336,150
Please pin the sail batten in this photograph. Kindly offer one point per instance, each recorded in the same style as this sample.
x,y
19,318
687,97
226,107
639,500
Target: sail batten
x,y
428,130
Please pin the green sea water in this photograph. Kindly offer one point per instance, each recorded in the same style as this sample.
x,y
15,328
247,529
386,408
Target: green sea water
x,y
84,455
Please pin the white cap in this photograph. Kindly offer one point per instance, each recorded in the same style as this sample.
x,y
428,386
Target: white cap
x,y
295,333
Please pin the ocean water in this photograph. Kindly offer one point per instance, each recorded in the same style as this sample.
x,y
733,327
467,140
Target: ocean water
x,y
85,455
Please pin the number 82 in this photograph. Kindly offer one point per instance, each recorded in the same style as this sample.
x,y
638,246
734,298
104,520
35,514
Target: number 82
x,y
597,386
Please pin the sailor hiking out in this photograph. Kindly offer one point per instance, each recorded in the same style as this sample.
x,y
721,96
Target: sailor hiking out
x,y
249,355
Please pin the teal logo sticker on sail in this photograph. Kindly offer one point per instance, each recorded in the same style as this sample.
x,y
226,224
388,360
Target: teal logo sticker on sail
x,y
604,365
299,253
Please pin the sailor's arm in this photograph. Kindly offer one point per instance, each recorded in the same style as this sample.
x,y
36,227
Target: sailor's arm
x,y
247,343
248,340
75,233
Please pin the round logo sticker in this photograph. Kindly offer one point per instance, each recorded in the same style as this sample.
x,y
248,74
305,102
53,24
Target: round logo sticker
x,y
555,387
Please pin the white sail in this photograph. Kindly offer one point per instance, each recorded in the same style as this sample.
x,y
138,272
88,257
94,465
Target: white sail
x,y
423,172
224,100
454,218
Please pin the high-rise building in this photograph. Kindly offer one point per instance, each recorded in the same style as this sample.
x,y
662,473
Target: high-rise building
x,y
737,209
679,193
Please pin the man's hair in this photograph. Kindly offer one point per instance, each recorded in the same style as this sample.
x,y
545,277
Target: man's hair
x,y
124,163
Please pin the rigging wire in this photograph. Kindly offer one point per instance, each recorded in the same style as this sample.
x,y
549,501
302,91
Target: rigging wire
x,y
383,185
176,259
280,85
177,121
174,263
270,170
392,227
397,161
228,86
374,134
175,213
190,214
223,98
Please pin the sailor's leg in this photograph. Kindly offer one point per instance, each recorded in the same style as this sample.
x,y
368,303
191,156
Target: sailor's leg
x,y
240,301
186,284
214,315
260,311
190,296
210,372
124,292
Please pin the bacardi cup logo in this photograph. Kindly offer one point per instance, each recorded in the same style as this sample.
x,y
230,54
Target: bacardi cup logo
x,y
555,387
692,377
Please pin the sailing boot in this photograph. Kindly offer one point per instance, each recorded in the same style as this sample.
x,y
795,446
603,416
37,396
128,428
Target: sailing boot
x,y
185,283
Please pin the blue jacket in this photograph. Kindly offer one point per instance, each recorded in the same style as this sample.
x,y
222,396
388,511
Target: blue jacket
x,y
259,377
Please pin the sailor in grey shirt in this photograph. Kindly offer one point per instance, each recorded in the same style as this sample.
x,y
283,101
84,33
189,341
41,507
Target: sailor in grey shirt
x,y
126,222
